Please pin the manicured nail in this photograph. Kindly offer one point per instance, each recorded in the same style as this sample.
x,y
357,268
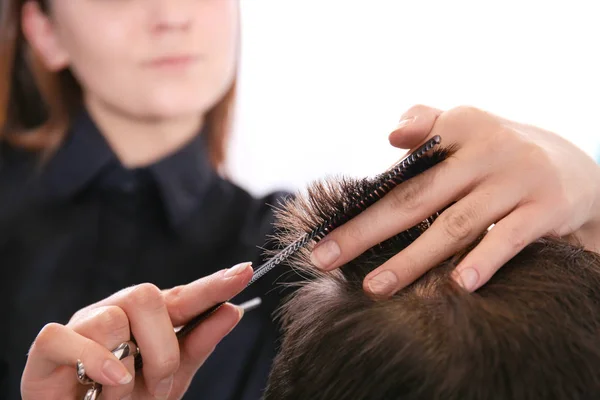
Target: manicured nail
x,y
240,311
128,397
163,389
236,269
405,122
468,278
384,283
325,254
116,372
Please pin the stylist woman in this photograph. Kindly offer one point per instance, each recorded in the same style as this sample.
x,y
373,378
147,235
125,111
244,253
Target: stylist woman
x,y
114,129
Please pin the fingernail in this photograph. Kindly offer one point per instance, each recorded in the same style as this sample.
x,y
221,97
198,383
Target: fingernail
x,y
405,122
384,283
241,314
116,372
128,397
163,388
236,269
468,278
325,254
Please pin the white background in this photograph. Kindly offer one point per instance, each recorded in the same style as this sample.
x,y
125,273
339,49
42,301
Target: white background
x,y
323,82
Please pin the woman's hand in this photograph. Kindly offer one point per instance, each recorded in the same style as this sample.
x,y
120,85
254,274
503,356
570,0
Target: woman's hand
x,y
150,315
527,181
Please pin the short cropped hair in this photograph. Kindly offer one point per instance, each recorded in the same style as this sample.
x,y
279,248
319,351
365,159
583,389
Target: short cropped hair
x,y
531,333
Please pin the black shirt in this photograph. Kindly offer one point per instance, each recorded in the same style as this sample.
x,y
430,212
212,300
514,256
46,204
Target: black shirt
x,y
80,227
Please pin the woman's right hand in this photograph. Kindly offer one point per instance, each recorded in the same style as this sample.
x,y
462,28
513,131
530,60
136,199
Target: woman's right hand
x,y
148,314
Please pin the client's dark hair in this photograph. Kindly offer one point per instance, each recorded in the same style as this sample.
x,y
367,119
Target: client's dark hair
x,y
532,332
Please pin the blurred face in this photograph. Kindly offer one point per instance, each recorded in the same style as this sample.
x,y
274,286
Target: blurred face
x,y
145,58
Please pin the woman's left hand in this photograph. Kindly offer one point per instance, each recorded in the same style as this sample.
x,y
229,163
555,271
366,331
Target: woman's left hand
x,y
527,181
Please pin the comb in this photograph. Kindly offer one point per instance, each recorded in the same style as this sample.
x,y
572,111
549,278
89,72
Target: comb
x,y
382,184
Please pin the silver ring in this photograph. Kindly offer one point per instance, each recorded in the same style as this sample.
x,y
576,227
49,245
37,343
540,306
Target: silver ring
x,y
123,350
81,376
92,393
126,349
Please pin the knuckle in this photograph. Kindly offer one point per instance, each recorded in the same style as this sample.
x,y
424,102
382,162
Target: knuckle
x,y
537,159
407,269
560,219
167,364
174,300
114,322
516,241
354,232
78,316
88,352
515,236
458,224
540,159
466,121
417,109
406,196
565,199
46,337
146,296
564,204
461,113
498,139
507,146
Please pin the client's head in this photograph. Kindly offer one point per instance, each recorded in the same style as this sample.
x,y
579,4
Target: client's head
x,y
532,332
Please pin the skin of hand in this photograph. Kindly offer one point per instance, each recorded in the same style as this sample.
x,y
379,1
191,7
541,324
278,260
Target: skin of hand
x,y
524,180
150,315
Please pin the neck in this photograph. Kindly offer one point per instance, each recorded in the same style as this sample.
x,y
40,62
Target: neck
x,y
138,142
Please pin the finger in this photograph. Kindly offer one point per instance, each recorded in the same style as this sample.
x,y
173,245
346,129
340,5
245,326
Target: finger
x,y
506,239
200,343
109,327
151,326
414,126
106,325
452,231
186,302
152,315
405,206
56,345
121,392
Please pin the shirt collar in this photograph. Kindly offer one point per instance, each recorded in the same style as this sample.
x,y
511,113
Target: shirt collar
x,y
183,178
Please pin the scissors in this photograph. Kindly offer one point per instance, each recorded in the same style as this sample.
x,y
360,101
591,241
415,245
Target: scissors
x,y
130,348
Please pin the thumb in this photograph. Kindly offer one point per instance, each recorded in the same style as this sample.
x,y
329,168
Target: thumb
x,y
414,127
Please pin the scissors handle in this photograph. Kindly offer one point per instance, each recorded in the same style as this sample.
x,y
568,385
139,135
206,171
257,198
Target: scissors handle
x,y
130,348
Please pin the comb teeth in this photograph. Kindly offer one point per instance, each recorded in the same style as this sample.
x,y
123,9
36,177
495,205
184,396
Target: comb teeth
x,y
382,185
282,256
